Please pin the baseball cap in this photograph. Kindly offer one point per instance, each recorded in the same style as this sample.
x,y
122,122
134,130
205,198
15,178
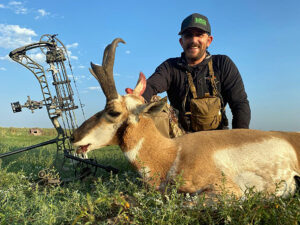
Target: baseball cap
x,y
195,20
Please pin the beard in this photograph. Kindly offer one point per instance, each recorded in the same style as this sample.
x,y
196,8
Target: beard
x,y
194,56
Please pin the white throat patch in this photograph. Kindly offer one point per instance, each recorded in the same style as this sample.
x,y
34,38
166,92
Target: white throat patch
x,y
132,154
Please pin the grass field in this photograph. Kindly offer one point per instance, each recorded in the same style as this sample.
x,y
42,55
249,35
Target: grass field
x,y
114,199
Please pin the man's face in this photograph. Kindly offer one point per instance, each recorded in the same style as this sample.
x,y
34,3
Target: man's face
x,y
194,43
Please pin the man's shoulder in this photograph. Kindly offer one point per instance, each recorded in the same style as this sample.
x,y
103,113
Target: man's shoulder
x,y
170,62
220,57
222,60
173,61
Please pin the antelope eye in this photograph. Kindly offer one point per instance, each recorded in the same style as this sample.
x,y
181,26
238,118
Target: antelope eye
x,y
113,113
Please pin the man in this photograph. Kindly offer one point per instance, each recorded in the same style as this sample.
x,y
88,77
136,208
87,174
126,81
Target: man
x,y
172,76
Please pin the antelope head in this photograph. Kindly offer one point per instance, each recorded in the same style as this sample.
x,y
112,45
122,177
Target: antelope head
x,y
101,129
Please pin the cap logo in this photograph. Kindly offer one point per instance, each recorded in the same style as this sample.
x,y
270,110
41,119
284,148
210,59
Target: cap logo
x,y
201,21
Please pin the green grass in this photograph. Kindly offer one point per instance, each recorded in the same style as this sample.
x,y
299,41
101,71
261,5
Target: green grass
x,y
115,199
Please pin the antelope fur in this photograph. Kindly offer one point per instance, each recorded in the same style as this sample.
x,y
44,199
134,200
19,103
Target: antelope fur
x,y
246,158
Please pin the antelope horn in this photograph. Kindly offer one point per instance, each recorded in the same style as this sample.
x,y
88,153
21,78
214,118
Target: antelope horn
x,y
104,73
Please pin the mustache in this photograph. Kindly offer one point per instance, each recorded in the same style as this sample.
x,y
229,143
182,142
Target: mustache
x,y
191,45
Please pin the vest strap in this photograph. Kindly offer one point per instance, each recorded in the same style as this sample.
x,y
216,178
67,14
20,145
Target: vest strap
x,y
191,84
212,78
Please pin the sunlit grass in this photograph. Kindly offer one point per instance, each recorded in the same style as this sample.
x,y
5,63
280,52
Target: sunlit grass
x,y
115,199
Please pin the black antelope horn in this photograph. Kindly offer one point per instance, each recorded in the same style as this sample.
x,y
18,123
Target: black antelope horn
x,y
104,73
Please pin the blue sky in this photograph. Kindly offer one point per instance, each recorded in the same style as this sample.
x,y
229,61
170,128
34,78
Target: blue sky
x,y
261,37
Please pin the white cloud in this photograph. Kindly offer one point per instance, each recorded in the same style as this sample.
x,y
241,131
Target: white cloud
x,y
74,57
17,7
15,3
74,45
38,57
2,69
71,56
42,13
21,11
14,36
81,67
128,52
78,78
69,46
94,88
16,29
5,57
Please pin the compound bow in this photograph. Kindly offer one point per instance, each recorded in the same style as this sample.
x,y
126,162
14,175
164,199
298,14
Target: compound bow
x,y
60,107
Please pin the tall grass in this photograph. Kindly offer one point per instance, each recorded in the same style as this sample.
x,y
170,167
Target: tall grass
x,y
116,199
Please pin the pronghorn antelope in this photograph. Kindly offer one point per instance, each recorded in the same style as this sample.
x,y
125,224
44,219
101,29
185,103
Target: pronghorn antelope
x,y
247,158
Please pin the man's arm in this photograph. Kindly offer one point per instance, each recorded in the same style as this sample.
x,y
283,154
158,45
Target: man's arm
x,y
234,93
158,82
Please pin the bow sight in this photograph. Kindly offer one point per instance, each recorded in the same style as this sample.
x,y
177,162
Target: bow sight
x,y
60,106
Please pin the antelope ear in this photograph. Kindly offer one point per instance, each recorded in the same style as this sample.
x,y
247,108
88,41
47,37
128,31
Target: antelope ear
x,y
129,91
154,108
140,86
92,72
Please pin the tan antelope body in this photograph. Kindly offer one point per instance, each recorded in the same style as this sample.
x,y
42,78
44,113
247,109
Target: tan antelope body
x,y
244,158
